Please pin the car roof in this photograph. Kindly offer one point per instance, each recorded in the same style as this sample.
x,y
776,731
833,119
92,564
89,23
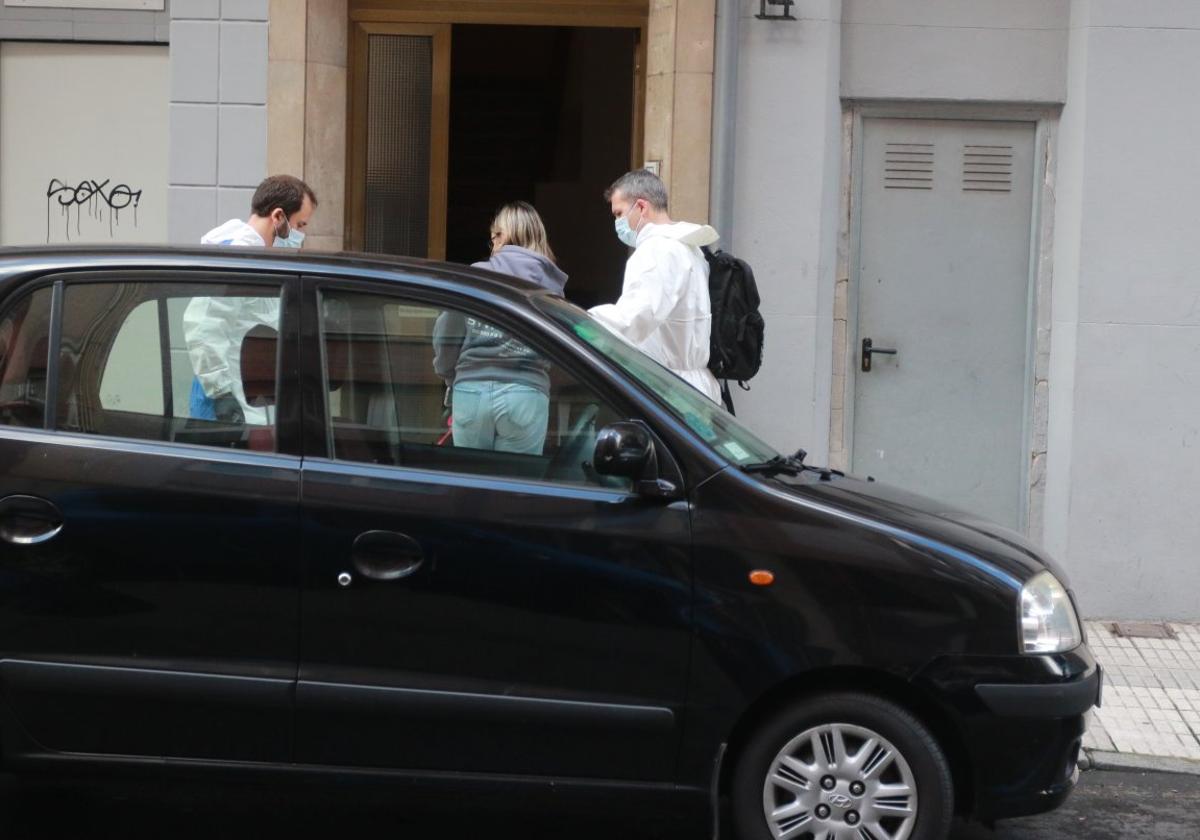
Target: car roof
x,y
43,259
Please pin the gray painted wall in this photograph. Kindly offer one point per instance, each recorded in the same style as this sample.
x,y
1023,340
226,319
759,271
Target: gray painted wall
x,y
1006,50
218,149
786,196
1124,458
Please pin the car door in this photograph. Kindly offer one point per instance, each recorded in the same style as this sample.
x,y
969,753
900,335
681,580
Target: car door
x,y
148,557
466,606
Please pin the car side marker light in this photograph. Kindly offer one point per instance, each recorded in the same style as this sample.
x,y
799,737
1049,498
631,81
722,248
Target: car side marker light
x,y
761,577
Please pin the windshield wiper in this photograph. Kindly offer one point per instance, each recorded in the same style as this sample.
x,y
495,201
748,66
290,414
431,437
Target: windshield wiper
x,y
793,464
780,463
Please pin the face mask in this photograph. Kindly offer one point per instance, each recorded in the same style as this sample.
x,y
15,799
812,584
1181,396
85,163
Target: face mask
x,y
625,233
294,239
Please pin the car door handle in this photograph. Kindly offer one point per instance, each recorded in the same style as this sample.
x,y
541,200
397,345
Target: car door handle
x,y
868,347
28,520
386,555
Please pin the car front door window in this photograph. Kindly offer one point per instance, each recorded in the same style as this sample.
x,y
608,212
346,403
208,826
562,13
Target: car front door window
x,y
439,388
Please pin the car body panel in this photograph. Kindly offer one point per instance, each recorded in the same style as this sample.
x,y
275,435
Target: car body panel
x,y
561,618
172,561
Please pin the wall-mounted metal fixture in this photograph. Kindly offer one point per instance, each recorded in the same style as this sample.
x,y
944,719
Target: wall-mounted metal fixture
x,y
787,9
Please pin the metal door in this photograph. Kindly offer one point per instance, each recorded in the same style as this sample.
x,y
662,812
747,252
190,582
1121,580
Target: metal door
x,y
943,281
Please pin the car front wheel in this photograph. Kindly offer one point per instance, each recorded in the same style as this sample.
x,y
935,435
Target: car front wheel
x,y
844,766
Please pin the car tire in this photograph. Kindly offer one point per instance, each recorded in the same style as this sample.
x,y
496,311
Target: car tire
x,y
842,766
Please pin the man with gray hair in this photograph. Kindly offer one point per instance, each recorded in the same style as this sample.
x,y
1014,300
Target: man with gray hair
x,y
664,308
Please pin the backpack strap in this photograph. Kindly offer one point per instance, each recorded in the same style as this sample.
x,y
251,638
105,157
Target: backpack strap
x,y
727,397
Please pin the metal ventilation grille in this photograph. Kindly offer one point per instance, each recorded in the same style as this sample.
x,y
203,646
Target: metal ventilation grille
x,y
987,168
908,166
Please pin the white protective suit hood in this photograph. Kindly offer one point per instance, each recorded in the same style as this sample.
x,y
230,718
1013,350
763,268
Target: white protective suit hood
x,y
685,232
664,308
233,232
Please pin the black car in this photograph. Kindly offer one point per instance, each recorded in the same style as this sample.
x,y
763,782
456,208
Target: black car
x,y
239,534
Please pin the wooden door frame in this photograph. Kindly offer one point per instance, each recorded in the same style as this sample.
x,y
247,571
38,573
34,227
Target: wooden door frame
x,y
621,14
439,130
432,17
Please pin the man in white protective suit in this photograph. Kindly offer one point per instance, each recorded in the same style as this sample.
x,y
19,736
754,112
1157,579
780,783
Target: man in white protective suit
x,y
664,307
214,327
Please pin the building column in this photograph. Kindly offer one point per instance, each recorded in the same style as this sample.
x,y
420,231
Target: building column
x,y
679,86
306,129
218,113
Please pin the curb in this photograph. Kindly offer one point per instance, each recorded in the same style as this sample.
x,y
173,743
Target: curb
x,y
1101,760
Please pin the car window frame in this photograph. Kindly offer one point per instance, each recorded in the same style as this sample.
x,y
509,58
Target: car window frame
x,y
288,434
536,332
14,297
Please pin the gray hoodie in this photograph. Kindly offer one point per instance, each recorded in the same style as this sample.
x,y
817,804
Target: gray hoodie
x,y
466,349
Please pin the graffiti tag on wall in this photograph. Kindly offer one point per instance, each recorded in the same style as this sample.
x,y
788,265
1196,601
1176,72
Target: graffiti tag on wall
x,y
91,198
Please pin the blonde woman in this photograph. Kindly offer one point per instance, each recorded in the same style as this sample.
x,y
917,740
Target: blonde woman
x,y
500,389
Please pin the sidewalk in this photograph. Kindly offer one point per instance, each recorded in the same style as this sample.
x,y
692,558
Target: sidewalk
x,y
1151,713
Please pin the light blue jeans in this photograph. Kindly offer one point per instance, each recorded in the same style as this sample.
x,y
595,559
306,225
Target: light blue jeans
x,y
500,416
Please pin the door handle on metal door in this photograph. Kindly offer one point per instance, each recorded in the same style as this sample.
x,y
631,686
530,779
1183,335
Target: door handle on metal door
x,y
868,347
386,555
28,520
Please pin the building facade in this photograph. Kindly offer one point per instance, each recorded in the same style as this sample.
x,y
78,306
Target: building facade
x,y
968,218
1042,282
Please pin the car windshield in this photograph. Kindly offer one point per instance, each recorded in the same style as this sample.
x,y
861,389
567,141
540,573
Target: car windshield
x,y
711,422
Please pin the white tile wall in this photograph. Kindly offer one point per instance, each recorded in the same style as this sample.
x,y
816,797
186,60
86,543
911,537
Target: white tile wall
x,y
231,67
193,153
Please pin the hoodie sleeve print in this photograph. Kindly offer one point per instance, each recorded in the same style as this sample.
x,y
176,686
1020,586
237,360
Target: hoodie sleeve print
x,y
650,294
449,330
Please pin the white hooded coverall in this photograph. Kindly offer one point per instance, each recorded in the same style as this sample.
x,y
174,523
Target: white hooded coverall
x,y
214,328
664,309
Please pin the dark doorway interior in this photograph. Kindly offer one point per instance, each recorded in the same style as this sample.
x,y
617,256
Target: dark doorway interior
x,y
543,114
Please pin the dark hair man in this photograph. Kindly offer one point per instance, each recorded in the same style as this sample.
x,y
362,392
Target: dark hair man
x,y
214,327
279,213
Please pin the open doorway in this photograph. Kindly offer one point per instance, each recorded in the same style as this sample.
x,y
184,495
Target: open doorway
x,y
450,121
543,114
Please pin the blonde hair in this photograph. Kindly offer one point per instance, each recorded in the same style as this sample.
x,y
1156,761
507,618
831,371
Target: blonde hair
x,y
521,225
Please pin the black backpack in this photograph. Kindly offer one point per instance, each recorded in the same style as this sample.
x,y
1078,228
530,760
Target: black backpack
x,y
736,342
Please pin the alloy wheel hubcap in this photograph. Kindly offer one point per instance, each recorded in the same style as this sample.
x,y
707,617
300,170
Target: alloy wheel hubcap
x,y
840,782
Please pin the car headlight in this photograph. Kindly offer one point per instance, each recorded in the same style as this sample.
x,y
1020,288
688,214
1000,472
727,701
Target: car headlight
x,y
1048,620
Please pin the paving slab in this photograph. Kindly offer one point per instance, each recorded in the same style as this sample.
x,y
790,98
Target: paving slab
x,y
1151,695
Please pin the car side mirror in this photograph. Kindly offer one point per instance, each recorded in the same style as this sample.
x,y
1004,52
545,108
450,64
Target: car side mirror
x,y
626,449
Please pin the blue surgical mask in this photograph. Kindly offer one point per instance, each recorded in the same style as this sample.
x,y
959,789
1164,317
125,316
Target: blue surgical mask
x,y
624,232
294,239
